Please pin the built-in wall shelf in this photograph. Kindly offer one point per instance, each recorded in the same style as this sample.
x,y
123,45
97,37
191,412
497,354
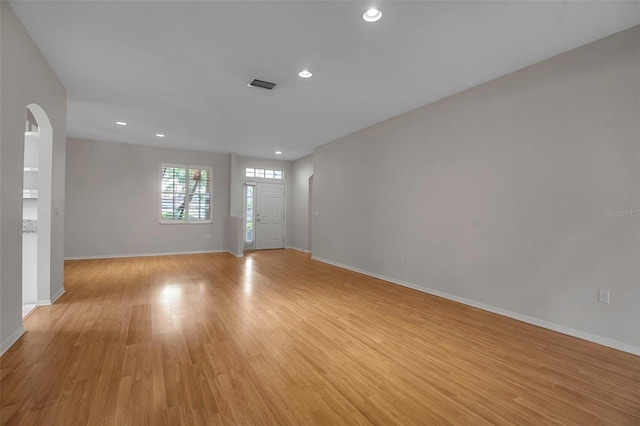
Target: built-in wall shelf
x,y
31,152
30,179
29,193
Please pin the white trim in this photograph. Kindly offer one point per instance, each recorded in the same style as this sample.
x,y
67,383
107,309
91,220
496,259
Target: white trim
x,y
49,302
235,254
56,296
9,341
116,256
181,222
264,170
625,347
299,249
28,314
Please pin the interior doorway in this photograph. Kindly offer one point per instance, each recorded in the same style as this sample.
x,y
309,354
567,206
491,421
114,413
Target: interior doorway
x,y
310,216
36,209
31,170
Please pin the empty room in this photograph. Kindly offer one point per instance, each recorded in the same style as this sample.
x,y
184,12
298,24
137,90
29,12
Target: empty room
x,y
319,212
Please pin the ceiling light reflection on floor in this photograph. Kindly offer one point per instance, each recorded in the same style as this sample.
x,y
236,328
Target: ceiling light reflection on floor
x,y
170,292
248,276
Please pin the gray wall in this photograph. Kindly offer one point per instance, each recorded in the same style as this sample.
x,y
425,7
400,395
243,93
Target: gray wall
x,y
113,192
498,195
26,78
302,170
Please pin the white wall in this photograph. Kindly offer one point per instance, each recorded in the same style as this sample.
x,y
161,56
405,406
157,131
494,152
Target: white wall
x,y
113,196
26,78
102,174
302,170
29,269
497,195
235,222
241,165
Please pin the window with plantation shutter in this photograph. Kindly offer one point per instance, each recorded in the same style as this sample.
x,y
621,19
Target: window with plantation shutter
x,y
185,193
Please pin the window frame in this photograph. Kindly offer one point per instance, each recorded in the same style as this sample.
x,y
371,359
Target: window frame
x,y
276,175
249,219
186,220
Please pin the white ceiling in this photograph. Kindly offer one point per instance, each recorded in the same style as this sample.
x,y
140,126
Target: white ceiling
x,y
181,68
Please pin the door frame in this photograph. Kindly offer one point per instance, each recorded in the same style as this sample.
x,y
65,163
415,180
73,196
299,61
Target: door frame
x,y
252,245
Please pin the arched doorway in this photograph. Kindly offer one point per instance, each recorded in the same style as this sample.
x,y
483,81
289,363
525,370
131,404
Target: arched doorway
x,y
37,202
310,216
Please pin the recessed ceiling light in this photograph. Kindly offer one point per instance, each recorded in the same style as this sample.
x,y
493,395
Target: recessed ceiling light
x,y
278,152
121,123
305,74
372,15
160,135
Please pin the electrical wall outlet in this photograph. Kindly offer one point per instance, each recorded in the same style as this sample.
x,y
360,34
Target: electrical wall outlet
x,y
603,295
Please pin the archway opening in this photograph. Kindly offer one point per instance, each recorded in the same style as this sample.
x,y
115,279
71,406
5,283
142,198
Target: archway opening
x,y
36,209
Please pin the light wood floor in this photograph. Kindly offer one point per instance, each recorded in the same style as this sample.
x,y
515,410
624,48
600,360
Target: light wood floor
x,y
276,338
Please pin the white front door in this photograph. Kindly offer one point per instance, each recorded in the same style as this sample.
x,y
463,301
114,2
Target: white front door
x,y
269,215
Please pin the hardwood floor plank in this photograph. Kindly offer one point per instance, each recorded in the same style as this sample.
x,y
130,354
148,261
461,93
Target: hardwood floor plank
x,y
276,338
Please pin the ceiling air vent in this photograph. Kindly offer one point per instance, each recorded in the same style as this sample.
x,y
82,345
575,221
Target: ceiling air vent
x,y
261,83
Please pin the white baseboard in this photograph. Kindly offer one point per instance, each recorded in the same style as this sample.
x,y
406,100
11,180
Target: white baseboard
x,y
9,341
57,295
298,249
625,347
49,302
235,254
117,256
